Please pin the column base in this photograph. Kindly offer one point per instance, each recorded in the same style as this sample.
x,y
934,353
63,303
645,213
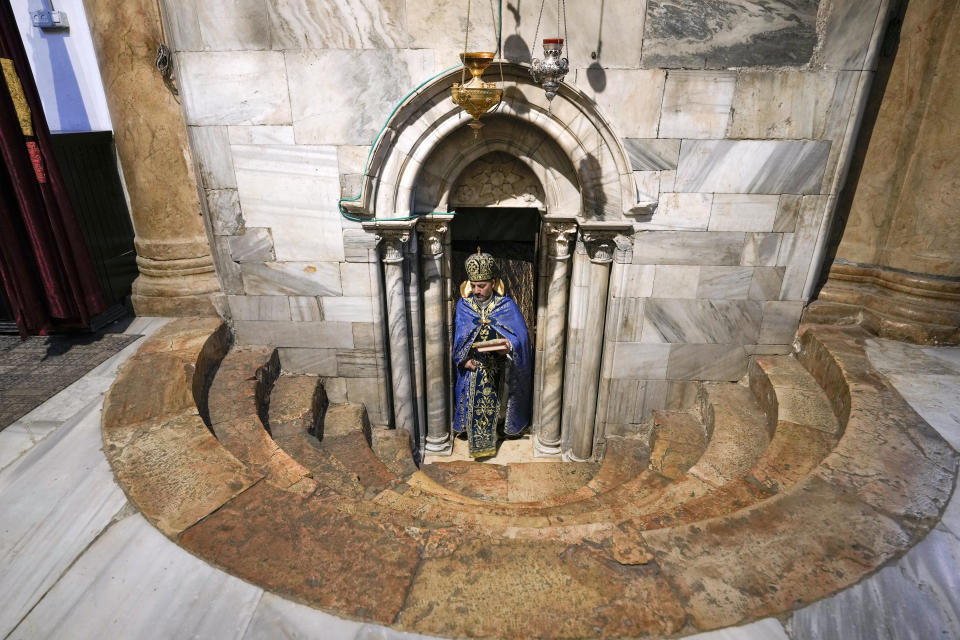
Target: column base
x,y
569,457
439,447
177,296
545,450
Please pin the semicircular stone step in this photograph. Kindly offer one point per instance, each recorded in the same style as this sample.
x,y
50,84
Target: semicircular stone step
x,y
237,404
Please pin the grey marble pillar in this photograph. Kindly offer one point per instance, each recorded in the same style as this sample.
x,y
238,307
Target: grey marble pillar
x,y
598,240
415,336
432,241
557,245
392,243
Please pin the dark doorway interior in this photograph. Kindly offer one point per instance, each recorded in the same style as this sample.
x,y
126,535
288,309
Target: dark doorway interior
x,y
510,236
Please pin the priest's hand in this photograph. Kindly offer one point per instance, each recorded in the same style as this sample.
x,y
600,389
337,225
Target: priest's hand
x,y
470,365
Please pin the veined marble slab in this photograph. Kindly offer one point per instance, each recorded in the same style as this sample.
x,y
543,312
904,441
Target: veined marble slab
x,y
726,283
255,244
637,281
236,87
134,583
640,361
648,185
211,146
344,96
293,190
675,281
358,279
688,247
848,33
347,308
55,501
696,34
780,321
630,99
233,25
259,307
18,438
652,154
696,104
719,362
784,104
761,249
797,248
743,212
323,334
752,166
261,134
305,309
223,207
320,362
336,24
704,321
679,211
291,278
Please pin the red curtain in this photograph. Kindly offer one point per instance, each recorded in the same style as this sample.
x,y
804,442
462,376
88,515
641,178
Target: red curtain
x,y
45,267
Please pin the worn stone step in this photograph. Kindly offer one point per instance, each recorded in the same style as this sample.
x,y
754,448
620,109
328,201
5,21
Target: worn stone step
x,y
679,439
393,447
787,392
238,401
297,405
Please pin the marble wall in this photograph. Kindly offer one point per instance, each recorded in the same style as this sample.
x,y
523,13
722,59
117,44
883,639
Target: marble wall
x,y
735,115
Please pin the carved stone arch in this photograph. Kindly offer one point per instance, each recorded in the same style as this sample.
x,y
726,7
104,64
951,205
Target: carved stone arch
x,y
601,167
537,151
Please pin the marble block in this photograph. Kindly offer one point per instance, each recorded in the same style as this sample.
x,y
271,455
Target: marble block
x,y
357,363
260,134
337,24
629,317
293,190
752,166
347,308
367,392
688,247
359,246
319,335
743,212
761,249
259,307
211,148
223,208
696,104
637,281
787,211
320,362
766,283
848,33
780,322
639,361
630,99
796,250
237,87
652,154
233,25
625,400
255,244
358,278
704,321
304,309
675,281
786,104
697,34
135,583
344,96
719,362
725,283
183,25
291,278
689,211
228,271
648,185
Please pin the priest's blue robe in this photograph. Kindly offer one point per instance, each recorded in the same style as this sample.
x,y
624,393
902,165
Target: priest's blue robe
x,y
478,393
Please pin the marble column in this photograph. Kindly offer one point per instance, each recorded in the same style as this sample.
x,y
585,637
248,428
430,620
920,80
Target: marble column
x,y
588,310
173,254
391,242
557,244
433,234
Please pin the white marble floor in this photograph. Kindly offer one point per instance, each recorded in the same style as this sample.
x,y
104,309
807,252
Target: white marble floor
x,y
77,561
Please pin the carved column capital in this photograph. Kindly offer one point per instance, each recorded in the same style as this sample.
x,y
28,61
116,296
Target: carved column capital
x,y
391,243
600,245
558,239
433,234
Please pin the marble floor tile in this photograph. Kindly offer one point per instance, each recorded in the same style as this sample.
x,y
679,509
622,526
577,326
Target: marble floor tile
x,y
20,437
55,500
276,618
891,356
67,403
893,604
934,398
766,629
135,583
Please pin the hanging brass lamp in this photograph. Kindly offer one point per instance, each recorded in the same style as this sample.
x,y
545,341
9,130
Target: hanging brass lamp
x,y
476,97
